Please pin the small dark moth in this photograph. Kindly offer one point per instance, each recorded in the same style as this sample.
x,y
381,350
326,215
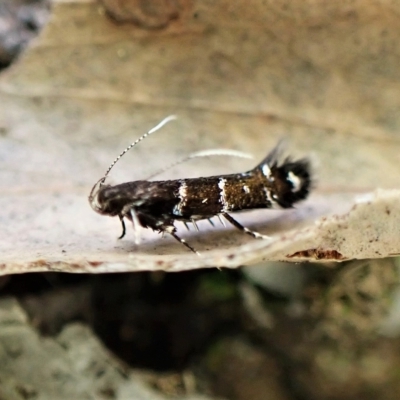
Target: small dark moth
x,y
273,183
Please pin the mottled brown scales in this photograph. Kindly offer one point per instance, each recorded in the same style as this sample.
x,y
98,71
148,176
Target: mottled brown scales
x,y
202,198
240,198
205,197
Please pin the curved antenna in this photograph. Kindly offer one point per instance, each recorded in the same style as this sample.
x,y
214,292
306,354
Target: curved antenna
x,y
203,153
144,136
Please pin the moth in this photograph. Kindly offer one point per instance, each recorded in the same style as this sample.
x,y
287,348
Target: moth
x,y
275,182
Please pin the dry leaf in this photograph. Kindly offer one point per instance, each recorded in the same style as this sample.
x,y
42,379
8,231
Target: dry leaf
x,y
239,75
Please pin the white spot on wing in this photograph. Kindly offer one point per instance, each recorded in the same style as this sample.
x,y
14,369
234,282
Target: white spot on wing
x,y
266,170
183,190
222,195
270,198
182,199
295,181
246,189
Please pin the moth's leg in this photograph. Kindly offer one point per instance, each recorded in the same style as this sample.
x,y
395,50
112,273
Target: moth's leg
x,y
171,230
186,225
137,227
221,220
121,218
166,225
244,229
195,225
211,221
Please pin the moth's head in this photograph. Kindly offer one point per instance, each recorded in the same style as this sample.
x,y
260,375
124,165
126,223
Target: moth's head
x,y
95,200
115,200
291,181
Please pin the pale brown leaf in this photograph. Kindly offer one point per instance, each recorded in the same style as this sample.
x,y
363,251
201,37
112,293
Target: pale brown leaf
x,y
239,75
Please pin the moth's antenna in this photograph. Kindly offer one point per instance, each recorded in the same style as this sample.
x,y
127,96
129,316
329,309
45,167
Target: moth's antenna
x,y
203,153
152,130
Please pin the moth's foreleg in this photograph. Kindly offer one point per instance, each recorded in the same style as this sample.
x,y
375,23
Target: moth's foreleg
x,y
244,229
121,218
137,226
171,230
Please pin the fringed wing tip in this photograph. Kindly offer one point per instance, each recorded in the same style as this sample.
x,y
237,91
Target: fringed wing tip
x,y
290,178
